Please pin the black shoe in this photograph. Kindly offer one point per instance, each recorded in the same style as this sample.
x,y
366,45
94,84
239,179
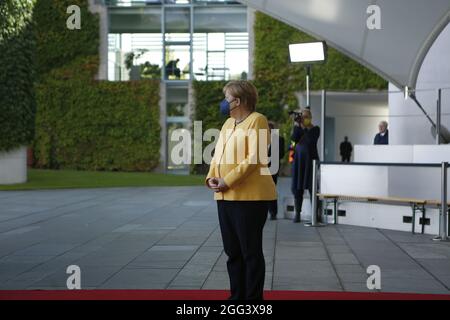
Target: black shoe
x,y
273,217
296,218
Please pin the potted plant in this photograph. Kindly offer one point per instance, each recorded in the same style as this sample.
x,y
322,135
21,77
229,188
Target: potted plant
x,y
150,71
134,70
17,100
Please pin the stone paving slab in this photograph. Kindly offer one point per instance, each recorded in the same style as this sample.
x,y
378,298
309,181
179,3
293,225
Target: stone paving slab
x,y
168,237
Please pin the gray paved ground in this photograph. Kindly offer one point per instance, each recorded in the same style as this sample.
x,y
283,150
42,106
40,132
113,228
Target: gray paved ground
x,y
169,238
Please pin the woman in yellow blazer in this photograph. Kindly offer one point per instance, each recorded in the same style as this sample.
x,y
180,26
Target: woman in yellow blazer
x,y
243,188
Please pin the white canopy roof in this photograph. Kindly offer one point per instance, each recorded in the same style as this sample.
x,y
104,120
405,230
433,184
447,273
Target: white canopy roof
x,y
395,52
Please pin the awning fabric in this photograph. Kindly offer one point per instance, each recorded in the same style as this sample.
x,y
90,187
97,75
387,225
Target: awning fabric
x,y
395,52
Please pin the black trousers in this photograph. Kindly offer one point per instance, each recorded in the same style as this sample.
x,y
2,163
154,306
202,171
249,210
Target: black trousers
x,y
273,204
298,200
241,224
273,208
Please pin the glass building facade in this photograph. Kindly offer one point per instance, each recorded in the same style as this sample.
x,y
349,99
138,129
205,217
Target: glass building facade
x,y
177,41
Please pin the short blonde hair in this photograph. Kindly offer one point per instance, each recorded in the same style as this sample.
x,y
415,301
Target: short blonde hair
x,y
308,111
245,91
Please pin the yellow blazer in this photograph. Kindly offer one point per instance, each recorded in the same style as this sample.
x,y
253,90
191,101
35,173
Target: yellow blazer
x,y
240,158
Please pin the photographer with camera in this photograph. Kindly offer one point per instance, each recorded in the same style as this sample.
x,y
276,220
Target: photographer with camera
x,y
305,135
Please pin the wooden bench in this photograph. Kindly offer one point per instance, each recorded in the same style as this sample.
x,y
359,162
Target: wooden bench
x,y
417,205
436,203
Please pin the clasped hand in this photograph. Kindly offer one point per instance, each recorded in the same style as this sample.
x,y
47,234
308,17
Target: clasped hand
x,y
217,184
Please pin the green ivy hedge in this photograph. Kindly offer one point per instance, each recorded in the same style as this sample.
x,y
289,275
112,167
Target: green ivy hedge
x,y
17,62
96,125
82,123
208,95
56,44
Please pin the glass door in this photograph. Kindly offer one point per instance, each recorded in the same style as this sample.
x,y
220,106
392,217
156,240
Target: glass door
x,y
177,30
178,123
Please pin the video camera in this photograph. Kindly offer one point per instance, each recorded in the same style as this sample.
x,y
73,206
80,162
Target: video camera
x,y
296,115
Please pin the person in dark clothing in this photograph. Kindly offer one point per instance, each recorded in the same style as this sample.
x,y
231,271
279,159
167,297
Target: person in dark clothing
x,y
172,69
346,150
273,205
305,135
382,136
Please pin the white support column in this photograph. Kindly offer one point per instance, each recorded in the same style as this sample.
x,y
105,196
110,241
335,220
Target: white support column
x,y
323,113
162,167
102,11
251,40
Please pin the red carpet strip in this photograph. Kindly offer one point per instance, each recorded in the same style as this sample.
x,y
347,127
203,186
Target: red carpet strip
x,y
204,295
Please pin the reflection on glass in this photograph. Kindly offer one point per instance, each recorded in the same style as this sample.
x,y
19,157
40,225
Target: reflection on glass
x,y
237,64
217,1
199,55
129,3
178,37
177,62
177,101
177,20
176,109
177,1
216,56
114,57
134,56
216,41
220,56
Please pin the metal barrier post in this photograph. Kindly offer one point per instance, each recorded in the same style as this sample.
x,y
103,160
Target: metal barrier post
x,y
438,117
444,207
314,222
